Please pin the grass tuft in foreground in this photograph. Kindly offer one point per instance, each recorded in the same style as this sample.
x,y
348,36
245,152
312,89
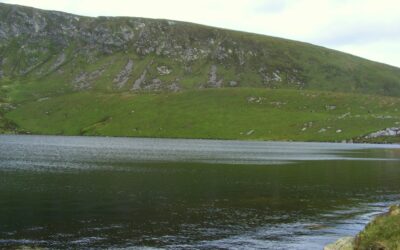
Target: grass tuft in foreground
x,y
382,233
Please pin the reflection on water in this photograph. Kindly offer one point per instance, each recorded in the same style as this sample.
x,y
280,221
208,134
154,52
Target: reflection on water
x,y
67,192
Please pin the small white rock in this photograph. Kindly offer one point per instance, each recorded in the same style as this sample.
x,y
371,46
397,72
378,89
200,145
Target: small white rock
x,y
250,132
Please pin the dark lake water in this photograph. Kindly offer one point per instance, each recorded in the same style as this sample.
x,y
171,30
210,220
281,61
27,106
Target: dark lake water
x,y
92,192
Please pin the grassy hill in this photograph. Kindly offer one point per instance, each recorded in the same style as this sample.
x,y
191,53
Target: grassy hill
x,y
241,113
120,76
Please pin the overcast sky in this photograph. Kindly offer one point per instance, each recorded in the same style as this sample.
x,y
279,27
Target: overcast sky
x,y
367,28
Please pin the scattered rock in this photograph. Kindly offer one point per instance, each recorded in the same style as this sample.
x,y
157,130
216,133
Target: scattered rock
x,y
164,70
270,79
276,77
60,60
293,79
278,104
220,53
253,99
241,56
322,130
345,243
84,80
339,131
344,115
191,54
7,107
308,124
309,95
126,33
43,99
124,75
233,83
137,85
386,132
250,132
330,107
155,84
103,36
213,80
174,87
382,116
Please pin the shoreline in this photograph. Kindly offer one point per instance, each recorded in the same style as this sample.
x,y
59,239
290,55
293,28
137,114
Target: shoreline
x,y
206,139
374,235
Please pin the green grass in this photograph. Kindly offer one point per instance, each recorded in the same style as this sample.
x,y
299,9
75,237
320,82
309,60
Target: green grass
x,y
210,113
381,233
47,100
318,68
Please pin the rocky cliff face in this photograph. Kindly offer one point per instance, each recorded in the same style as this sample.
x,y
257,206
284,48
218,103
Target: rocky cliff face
x,y
38,34
135,54
108,35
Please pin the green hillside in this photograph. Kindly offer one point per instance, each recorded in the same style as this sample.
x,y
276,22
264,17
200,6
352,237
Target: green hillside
x,y
121,76
211,113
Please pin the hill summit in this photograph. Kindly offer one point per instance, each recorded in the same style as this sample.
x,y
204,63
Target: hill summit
x,y
137,54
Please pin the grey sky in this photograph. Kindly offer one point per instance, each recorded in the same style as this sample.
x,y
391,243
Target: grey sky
x,y
367,28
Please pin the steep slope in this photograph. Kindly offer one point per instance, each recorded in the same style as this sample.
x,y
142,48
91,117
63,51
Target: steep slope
x,y
53,59
132,54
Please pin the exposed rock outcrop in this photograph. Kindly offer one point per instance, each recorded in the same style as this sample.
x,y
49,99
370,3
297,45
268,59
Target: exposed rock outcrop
x,y
123,76
137,85
382,133
233,83
270,79
213,80
84,80
59,61
174,87
54,41
155,85
164,70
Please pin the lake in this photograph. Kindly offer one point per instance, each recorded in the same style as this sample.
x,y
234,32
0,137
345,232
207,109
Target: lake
x,y
99,192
